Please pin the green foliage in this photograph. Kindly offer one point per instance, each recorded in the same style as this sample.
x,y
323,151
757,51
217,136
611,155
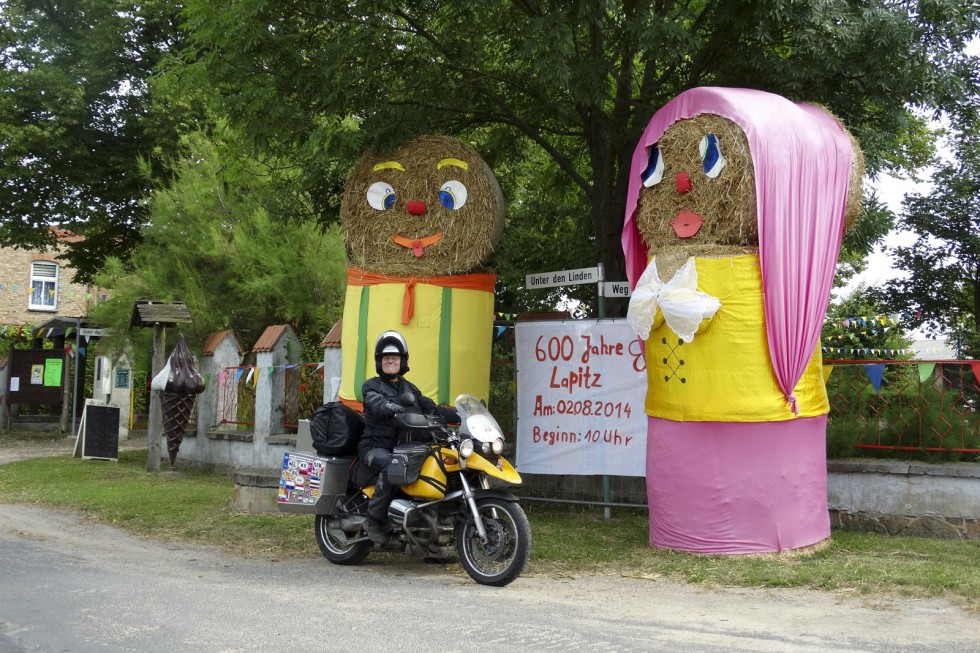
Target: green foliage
x,y
943,286
15,338
76,122
213,245
565,90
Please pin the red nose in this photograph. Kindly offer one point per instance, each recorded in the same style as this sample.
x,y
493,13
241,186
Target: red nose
x,y
683,183
416,208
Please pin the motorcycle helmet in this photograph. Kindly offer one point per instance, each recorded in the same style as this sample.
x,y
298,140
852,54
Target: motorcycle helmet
x,y
391,342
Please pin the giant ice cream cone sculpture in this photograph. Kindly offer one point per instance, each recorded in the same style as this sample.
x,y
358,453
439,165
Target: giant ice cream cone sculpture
x,y
419,222
737,203
179,383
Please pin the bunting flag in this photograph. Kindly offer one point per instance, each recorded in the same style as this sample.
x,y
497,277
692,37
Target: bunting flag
x,y
925,371
975,366
251,375
207,380
875,372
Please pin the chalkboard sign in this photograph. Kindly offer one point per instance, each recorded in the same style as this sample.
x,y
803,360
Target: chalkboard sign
x,y
100,432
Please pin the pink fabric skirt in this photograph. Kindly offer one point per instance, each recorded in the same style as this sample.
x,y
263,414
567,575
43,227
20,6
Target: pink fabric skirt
x,y
737,487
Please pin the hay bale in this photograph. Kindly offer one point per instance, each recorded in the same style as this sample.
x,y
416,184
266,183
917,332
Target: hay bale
x,y
730,224
448,241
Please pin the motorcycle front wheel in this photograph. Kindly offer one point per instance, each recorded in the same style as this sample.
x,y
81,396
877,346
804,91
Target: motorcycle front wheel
x,y
501,558
336,545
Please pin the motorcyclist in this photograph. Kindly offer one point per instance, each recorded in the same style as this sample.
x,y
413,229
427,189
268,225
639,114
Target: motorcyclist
x,y
385,396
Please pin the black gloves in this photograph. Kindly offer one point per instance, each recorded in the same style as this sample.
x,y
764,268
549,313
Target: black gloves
x,y
394,408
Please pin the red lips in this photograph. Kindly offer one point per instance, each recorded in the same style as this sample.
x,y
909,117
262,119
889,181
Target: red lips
x,y
687,224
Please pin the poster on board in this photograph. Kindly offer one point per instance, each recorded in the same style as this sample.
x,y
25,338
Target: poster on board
x,y
581,385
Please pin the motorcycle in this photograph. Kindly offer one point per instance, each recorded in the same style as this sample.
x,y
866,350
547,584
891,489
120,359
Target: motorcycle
x,y
451,496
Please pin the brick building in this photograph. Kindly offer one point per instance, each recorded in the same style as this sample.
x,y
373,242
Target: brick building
x,y
37,286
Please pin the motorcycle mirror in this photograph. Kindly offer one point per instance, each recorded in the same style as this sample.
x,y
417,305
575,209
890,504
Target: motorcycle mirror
x,y
406,399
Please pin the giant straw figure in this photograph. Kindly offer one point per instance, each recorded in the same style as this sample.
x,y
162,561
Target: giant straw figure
x,y
419,222
738,200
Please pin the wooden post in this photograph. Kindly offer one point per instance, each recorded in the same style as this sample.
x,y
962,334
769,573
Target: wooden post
x,y
154,430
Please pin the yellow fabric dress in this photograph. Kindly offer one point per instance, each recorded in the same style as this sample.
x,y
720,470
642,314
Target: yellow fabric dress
x,y
449,331
725,374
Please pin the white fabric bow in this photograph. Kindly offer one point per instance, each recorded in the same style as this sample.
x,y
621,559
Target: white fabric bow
x,y
682,304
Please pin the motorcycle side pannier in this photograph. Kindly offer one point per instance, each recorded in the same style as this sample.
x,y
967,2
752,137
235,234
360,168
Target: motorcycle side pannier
x,y
311,484
336,429
406,463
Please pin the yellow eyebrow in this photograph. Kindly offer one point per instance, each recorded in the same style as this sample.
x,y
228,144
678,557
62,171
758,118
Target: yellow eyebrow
x,y
389,164
452,162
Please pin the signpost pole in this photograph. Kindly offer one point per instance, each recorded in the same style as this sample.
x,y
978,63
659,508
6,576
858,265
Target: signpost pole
x,y
606,480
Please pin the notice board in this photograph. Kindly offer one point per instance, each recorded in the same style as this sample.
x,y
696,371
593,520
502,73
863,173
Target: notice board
x,y
98,433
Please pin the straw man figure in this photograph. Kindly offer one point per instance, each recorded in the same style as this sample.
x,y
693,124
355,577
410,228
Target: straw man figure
x,y
737,205
419,222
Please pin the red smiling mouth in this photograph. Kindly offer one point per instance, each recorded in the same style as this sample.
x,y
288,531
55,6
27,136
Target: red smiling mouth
x,y
687,224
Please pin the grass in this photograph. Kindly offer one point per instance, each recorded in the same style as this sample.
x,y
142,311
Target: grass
x,y
195,507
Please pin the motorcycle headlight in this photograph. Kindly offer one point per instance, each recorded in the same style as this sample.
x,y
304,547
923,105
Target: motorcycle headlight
x,y
498,445
466,448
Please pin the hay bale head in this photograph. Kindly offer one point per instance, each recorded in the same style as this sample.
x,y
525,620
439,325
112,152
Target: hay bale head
x,y
699,194
430,207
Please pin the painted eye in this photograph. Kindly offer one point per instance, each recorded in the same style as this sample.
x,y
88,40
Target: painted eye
x,y
655,168
381,196
453,195
711,157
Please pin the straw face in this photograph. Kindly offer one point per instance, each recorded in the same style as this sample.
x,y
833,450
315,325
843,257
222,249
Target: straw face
x,y
431,207
667,212
700,197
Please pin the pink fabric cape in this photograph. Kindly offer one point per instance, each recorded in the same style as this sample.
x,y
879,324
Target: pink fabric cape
x,y
802,161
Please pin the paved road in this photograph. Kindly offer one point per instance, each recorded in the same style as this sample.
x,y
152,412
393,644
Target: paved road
x,y
69,585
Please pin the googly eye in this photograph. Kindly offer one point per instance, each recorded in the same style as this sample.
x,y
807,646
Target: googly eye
x,y
655,168
452,195
711,157
381,196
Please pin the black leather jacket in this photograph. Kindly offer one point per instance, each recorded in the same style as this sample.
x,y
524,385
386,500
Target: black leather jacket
x,y
379,425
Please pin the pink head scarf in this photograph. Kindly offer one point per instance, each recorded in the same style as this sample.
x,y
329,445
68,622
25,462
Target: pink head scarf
x,y
802,161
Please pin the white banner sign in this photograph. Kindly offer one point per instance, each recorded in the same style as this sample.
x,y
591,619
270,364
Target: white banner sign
x,y
581,385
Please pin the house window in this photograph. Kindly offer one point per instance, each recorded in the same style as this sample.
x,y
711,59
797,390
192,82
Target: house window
x,y
44,286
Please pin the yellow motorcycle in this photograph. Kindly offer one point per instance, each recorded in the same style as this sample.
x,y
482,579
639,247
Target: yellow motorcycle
x,y
451,497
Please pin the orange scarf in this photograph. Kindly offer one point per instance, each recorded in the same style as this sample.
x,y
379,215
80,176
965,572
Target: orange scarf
x,y
478,281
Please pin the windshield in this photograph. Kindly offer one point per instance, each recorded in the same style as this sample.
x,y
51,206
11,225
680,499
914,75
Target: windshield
x,y
475,420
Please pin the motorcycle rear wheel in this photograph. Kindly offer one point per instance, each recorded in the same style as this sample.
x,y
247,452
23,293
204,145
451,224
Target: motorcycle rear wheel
x,y
500,559
334,546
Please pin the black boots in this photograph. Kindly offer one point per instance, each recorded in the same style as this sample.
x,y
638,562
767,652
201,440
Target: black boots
x,y
376,530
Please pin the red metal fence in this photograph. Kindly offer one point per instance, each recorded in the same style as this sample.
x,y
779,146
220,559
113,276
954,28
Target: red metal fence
x,y
237,390
303,393
889,405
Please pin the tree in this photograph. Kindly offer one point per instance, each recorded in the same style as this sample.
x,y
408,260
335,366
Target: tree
x,y
80,143
212,244
573,82
942,290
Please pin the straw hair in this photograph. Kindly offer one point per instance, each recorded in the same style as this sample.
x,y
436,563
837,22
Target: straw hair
x,y
729,208
469,234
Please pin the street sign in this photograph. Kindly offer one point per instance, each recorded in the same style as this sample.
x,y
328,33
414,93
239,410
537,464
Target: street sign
x,y
616,289
562,278
91,332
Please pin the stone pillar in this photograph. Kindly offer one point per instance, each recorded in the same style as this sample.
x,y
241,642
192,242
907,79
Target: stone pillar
x,y
277,347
